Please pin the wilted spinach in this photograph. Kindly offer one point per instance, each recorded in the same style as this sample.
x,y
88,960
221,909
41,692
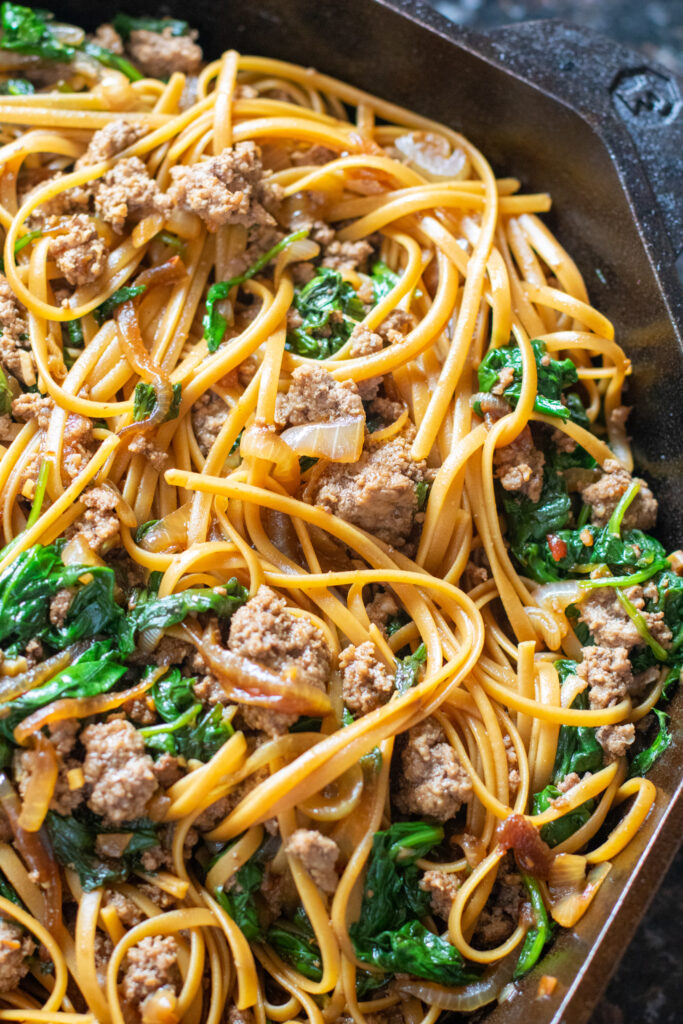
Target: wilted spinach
x,y
330,309
73,843
554,376
144,400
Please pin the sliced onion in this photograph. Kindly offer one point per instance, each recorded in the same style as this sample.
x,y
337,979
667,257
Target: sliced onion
x,y
302,249
567,871
42,779
161,1007
339,441
133,348
468,998
248,682
13,686
70,35
556,596
170,533
263,443
567,908
431,155
77,551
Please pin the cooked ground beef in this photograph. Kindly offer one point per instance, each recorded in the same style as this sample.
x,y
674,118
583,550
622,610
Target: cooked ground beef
x,y
314,396
616,739
500,915
231,1015
611,626
32,406
149,966
396,326
513,766
118,772
346,256
505,379
315,156
167,770
15,354
377,493
366,682
209,413
365,343
443,886
230,188
381,609
607,670
265,631
519,466
127,192
79,253
159,54
318,854
145,446
15,945
106,35
106,143
99,524
128,912
432,783
59,607
603,497
568,782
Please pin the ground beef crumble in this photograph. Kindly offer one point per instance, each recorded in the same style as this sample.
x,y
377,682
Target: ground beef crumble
x,y
230,188
377,493
208,413
79,253
500,915
160,54
314,396
150,965
381,609
615,739
603,497
15,946
119,774
432,782
611,626
346,256
127,192
443,886
519,466
264,630
106,143
15,354
366,682
99,524
318,854
607,670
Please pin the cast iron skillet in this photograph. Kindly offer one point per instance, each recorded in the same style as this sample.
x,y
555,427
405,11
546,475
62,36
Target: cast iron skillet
x,y
602,129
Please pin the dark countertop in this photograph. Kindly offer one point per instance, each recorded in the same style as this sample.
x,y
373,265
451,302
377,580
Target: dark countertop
x,y
646,986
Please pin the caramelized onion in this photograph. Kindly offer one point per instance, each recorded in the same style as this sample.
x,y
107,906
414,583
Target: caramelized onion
x,y
81,707
40,787
431,155
340,440
141,361
248,682
170,272
170,533
263,443
14,686
566,907
533,855
555,597
35,849
468,998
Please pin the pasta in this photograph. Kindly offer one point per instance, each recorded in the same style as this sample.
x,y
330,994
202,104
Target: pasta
x,y
331,626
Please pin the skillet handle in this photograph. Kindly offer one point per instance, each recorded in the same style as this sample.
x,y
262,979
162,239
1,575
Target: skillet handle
x,y
616,90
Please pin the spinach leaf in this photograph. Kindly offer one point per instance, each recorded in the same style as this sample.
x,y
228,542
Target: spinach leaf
x,y
642,762
408,669
16,87
145,397
413,949
208,736
330,309
95,671
538,935
73,843
528,524
162,612
422,488
383,280
144,528
27,31
124,294
397,621
553,377
74,329
9,892
670,601
184,732
214,323
111,60
126,23
238,900
306,724
294,941
555,832
577,748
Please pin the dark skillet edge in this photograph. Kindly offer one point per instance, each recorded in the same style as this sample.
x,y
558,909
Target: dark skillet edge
x,y
305,30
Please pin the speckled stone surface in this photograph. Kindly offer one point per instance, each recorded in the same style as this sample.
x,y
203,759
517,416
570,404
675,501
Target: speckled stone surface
x,y
647,985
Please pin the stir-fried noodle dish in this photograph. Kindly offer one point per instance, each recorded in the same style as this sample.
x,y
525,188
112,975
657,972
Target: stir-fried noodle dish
x,y
336,644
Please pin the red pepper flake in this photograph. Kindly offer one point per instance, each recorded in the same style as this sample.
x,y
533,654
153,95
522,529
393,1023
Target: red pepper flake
x,y
558,547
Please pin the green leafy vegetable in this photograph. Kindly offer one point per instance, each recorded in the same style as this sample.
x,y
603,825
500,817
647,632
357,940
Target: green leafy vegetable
x,y
555,832
295,942
184,732
397,622
383,280
5,395
159,613
73,843
126,23
95,671
27,31
173,242
16,87
643,761
124,294
413,949
144,528
330,309
144,400
75,331
111,60
214,323
408,669
553,377
238,900
8,892
422,489
538,935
